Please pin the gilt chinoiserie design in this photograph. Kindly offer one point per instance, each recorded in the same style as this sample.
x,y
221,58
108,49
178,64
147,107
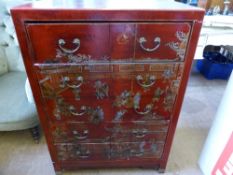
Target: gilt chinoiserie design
x,y
108,84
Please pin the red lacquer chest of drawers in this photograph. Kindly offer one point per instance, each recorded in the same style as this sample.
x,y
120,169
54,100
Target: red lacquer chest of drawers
x,y
108,77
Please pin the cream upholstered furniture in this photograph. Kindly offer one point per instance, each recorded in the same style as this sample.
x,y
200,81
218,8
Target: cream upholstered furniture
x,y
17,112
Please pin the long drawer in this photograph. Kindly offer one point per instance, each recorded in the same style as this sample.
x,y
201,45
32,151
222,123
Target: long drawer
x,y
106,79
82,132
109,151
78,42
90,110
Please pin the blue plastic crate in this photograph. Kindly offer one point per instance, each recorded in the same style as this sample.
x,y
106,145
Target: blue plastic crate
x,y
212,70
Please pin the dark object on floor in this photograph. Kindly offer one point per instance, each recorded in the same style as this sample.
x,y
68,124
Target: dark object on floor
x,y
35,131
219,54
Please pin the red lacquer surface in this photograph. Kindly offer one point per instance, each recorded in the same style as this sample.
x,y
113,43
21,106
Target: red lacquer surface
x,y
102,64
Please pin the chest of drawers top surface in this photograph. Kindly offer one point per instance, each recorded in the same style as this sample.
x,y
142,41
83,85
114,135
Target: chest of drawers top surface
x,y
109,10
108,5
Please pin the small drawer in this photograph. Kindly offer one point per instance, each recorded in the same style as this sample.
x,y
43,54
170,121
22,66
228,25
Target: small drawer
x,y
68,42
79,132
139,108
74,82
136,150
155,80
144,78
82,132
137,131
88,110
162,41
82,151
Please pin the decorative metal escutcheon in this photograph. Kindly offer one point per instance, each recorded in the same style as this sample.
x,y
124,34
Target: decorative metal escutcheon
x,y
80,136
143,40
136,153
147,82
147,109
62,42
83,153
65,82
139,133
73,111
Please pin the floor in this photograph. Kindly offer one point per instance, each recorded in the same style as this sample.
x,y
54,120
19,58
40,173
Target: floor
x,y
19,155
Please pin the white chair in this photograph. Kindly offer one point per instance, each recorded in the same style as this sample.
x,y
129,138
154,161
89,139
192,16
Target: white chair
x,y
17,112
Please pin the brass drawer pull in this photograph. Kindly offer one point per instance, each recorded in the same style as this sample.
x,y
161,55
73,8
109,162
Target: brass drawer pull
x,y
150,81
143,40
139,133
148,109
83,154
61,44
81,136
137,153
73,111
65,82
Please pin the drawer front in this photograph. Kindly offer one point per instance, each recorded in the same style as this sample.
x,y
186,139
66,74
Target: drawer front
x,y
77,132
109,151
79,42
88,110
165,41
136,150
83,151
74,82
106,80
68,42
134,108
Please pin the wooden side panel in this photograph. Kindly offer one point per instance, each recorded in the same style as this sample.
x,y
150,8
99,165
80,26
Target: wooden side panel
x,y
184,80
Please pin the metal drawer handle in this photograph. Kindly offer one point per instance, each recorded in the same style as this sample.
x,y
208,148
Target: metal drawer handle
x,y
81,136
83,154
73,111
65,82
137,153
144,83
143,40
139,133
76,42
148,109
